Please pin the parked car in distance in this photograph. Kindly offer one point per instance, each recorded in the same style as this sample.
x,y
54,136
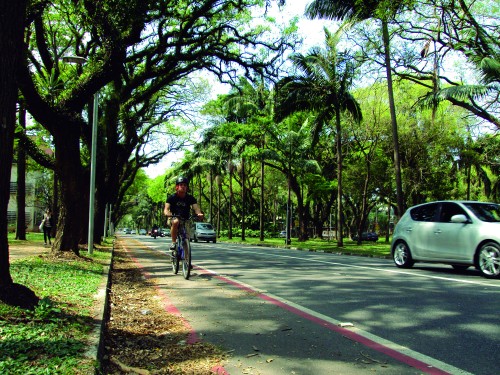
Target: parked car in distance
x,y
127,231
203,232
366,236
165,232
282,234
143,232
459,233
133,231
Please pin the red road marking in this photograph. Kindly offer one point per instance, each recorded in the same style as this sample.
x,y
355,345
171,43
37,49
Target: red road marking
x,y
172,309
413,362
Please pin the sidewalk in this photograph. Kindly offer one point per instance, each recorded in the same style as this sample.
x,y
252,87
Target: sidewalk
x,y
28,249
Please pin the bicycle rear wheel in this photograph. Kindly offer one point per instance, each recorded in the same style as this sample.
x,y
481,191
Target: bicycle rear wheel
x,y
175,260
186,261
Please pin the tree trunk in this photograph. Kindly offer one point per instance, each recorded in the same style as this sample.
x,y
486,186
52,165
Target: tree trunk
x,y
211,207
243,199
230,213
338,142
301,212
219,189
394,124
12,19
68,166
261,205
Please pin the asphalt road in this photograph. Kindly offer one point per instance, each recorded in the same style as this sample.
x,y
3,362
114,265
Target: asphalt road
x,y
282,311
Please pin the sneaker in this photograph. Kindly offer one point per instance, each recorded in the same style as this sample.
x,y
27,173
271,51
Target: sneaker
x,y
172,247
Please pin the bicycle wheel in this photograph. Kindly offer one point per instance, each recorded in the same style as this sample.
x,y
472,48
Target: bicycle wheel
x,y
186,261
175,260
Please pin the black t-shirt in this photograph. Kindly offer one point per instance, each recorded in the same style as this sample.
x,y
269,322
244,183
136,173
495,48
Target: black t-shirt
x,y
181,206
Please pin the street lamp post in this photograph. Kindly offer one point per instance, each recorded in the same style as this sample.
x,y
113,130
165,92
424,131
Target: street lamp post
x,y
93,157
93,153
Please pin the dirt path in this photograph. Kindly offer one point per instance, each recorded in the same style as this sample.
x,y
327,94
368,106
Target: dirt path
x,y
24,249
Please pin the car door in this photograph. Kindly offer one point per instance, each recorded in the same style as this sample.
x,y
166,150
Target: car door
x,y
450,241
419,229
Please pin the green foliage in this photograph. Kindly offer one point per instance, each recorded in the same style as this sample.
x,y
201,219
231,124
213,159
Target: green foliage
x,y
372,249
46,310
156,189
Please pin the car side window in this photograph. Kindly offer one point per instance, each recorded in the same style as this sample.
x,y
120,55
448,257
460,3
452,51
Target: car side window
x,y
449,209
427,212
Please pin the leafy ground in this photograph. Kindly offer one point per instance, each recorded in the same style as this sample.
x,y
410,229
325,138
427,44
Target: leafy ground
x,y
142,337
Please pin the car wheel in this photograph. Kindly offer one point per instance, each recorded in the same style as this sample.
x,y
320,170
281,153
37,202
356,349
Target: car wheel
x,y
401,255
488,260
214,241
195,238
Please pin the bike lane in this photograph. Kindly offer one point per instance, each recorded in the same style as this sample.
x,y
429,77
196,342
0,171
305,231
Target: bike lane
x,y
262,334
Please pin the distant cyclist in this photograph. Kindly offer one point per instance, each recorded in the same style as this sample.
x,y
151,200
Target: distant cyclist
x,y
180,204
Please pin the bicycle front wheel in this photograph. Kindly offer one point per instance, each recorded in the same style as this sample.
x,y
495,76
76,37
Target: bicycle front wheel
x,y
186,261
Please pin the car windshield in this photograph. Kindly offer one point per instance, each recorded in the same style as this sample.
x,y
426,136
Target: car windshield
x,y
205,226
488,212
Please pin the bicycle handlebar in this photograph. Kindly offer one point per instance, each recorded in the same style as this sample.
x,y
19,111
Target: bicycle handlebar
x,y
191,217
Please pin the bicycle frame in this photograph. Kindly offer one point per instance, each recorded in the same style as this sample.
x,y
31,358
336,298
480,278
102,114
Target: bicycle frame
x,y
183,250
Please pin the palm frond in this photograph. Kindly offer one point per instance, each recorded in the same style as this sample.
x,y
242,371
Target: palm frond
x,y
490,69
334,10
464,92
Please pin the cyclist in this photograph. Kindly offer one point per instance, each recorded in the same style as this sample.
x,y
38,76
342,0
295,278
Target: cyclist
x,y
180,204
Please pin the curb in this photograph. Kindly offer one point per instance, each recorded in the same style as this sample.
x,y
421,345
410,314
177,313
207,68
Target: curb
x,y
96,337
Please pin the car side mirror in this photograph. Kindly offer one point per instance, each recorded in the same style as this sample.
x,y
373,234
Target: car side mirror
x,y
459,219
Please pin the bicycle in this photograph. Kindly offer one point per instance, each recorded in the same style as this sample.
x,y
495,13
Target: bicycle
x,y
183,249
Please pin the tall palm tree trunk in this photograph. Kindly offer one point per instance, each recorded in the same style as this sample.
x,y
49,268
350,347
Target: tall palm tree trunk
x,y
338,142
261,205
243,199
230,213
211,207
394,124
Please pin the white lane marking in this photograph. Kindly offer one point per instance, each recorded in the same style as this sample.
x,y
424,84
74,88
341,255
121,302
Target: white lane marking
x,y
396,271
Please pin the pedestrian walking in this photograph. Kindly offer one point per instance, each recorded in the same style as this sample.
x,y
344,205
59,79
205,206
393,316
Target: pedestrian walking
x,y
47,226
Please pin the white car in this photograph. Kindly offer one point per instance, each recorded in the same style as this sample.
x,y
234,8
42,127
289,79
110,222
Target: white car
x,y
459,233
203,232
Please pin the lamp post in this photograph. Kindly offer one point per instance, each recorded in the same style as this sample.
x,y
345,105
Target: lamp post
x,y
93,153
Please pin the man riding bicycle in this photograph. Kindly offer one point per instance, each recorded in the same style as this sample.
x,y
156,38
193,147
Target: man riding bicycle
x,y
180,204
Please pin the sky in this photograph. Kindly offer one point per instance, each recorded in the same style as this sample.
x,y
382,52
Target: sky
x,y
313,35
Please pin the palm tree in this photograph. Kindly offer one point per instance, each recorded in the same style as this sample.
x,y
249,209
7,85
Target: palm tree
x,y
480,155
222,148
357,11
250,103
322,86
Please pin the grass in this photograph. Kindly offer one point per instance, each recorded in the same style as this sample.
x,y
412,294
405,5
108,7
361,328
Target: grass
x,y
52,339
374,249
